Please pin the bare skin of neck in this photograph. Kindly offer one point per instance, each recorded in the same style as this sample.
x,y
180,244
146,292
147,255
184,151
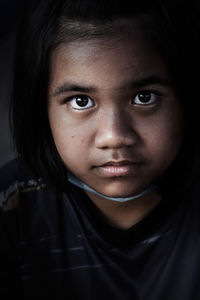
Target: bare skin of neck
x,y
125,215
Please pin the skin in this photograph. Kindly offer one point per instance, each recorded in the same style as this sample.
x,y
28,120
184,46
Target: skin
x,y
114,124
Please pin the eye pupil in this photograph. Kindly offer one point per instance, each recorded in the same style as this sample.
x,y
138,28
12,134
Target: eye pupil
x,y
144,97
82,101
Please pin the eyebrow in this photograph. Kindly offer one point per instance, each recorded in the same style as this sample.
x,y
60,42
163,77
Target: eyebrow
x,y
151,80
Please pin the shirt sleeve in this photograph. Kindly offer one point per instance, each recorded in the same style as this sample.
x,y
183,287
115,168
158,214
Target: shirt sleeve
x,y
10,177
9,274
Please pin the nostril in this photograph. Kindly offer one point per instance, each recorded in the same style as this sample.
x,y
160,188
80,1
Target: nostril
x,y
111,140
114,130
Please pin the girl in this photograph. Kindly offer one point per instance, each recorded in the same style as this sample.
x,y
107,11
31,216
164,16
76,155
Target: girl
x,y
102,200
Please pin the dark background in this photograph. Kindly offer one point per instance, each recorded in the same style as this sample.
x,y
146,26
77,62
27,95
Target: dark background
x,y
9,15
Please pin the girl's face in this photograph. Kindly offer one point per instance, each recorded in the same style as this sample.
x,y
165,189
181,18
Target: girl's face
x,y
115,118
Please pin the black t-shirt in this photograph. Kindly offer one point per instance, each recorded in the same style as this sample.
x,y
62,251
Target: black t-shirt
x,y
58,246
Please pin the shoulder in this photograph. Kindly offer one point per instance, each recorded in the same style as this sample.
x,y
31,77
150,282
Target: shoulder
x,y
15,177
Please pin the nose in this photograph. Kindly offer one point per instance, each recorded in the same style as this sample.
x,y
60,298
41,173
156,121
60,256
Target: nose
x,y
115,130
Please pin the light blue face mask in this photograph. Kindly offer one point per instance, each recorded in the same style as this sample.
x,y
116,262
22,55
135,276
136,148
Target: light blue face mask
x,y
74,180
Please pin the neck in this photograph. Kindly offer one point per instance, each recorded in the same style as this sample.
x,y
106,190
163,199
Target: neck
x,y
126,214
121,212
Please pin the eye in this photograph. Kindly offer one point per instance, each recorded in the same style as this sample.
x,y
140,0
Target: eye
x,y
145,98
81,102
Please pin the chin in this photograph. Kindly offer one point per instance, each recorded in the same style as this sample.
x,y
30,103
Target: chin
x,y
119,191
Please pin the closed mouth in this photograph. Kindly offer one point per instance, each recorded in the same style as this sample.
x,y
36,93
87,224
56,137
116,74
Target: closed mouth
x,y
118,168
119,163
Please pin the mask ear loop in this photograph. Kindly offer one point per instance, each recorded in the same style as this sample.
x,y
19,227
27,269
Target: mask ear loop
x,y
74,180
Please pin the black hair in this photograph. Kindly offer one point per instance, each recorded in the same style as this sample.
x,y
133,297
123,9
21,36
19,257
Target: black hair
x,y
172,26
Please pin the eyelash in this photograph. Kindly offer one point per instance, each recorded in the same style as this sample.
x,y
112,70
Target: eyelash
x,y
155,93
81,96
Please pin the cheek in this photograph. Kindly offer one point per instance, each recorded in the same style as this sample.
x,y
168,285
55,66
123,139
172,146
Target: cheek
x,y
72,140
70,146
165,139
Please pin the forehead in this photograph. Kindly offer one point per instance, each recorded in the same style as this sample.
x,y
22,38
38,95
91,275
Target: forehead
x,y
110,61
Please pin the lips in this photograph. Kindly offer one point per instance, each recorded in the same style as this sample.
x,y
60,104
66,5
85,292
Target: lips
x,y
117,163
118,168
